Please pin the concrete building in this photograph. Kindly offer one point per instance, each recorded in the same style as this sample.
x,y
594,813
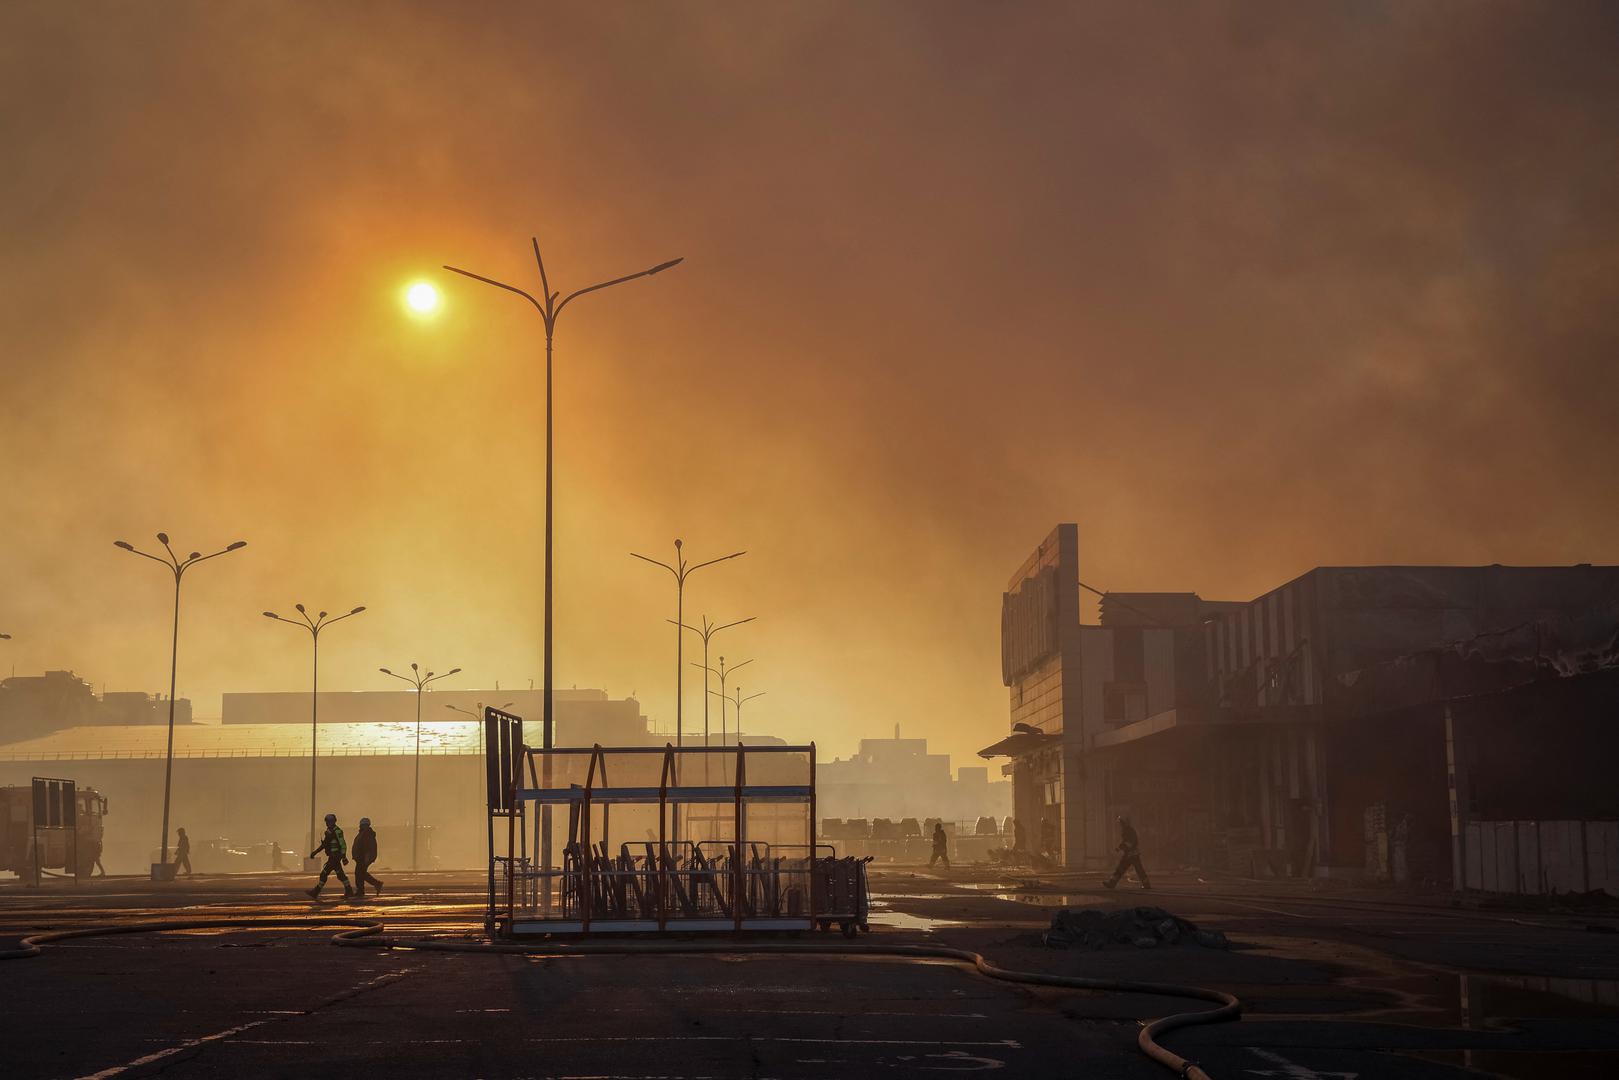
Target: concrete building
x,y
897,778
583,716
35,705
240,785
1289,733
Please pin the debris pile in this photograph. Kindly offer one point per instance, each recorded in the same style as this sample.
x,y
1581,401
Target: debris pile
x,y
1141,927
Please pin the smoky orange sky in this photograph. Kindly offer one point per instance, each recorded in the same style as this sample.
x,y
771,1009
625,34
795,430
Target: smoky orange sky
x,y
1240,290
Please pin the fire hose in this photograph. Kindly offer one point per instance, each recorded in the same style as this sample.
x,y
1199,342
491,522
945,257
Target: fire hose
x,y
364,933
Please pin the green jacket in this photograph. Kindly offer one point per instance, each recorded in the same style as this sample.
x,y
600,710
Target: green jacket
x,y
332,844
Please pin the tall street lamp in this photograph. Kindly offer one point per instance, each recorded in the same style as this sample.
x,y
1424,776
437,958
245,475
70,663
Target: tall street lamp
x,y
681,571
707,631
314,626
420,682
550,310
176,566
724,672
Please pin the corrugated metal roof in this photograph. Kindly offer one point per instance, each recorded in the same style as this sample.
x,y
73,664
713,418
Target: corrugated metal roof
x,y
114,742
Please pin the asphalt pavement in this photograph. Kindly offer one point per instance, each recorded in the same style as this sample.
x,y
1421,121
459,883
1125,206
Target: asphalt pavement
x,y
1336,985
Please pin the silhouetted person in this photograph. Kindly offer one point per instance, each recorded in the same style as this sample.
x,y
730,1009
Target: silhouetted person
x,y
1020,837
275,856
365,853
941,846
1129,856
337,854
182,852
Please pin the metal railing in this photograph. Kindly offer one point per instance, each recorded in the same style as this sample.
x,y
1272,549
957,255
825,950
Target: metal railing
x,y
238,752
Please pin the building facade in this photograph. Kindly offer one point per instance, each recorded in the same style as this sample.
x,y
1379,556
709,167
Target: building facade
x,y
1288,734
35,705
898,778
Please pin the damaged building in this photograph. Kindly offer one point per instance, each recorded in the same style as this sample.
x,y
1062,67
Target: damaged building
x,y
1383,721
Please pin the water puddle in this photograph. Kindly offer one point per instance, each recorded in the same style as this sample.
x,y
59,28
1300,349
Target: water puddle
x,y
993,886
1529,1065
1492,1002
900,920
1055,900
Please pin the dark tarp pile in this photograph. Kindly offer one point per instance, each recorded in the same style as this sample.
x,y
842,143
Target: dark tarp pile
x,y
1139,927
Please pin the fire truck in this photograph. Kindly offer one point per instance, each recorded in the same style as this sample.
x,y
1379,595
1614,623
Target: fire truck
x,y
56,820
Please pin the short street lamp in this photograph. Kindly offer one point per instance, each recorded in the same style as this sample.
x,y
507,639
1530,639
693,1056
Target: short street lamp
x,y
420,682
314,626
176,566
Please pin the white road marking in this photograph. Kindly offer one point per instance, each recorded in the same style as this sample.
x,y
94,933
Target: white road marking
x,y
190,1044
171,1051
1011,1044
1291,1070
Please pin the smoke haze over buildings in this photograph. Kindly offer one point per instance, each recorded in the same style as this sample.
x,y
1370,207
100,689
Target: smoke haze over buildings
x,y
1267,287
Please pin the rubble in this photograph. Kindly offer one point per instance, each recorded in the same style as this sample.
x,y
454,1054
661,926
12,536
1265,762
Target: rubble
x,y
1140,927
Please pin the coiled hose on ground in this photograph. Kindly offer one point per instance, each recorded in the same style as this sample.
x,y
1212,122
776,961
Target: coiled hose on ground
x,y
369,933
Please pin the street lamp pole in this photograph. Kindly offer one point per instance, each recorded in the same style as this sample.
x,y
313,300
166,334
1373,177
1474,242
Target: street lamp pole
x,y
681,571
478,716
176,566
723,672
740,701
707,631
314,626
420,682
549,311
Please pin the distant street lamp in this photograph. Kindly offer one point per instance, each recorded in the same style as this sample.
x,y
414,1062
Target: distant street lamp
x,y
707,631
420,682
176,566
477,714
724,672
549,311
314,626
681,571
740,701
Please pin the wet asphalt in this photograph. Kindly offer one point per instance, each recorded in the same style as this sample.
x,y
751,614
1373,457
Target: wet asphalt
x,y
1336,984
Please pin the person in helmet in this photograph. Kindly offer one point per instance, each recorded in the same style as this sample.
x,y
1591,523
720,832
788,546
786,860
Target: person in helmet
x,y
337,853
365,853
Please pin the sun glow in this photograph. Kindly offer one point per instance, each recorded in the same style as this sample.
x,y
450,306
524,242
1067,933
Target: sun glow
x,y
422,298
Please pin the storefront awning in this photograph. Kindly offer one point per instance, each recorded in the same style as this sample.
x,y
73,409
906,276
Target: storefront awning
x,y
1017,744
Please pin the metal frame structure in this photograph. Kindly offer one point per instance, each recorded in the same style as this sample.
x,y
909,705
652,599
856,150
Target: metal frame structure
x,y
747,861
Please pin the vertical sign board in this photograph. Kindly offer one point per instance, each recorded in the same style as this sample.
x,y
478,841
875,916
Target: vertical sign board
x,y
56,806
503,748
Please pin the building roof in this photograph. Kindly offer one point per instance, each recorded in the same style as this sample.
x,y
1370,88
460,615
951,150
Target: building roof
x,y
104,742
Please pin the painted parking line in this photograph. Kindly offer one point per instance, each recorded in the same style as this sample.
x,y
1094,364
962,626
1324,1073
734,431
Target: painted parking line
x,y
228,1033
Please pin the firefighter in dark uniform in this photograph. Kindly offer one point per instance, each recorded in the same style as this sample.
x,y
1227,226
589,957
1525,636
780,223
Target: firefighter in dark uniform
x,y
337,854
941,846
365,853
1129,856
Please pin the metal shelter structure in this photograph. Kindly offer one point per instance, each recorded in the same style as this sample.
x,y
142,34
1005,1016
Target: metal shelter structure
x,y
647,839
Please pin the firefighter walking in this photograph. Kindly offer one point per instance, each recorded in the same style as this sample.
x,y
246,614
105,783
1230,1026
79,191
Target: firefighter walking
x,y
941,846
336,849
1129,856
365,853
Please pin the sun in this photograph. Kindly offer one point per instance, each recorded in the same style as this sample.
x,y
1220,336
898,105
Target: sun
x,y
422,298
